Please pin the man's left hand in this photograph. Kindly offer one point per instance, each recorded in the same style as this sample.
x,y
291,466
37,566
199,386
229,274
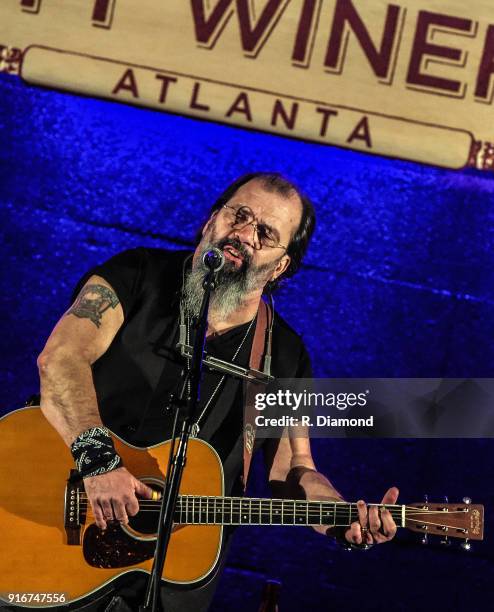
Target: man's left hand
x,y
376,525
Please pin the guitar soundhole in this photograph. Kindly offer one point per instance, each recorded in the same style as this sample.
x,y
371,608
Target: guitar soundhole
x,y
146,520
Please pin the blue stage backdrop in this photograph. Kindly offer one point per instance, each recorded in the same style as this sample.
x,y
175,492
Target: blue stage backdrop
x,y
399,281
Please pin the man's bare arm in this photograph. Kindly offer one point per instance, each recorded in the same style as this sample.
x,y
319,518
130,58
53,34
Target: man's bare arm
x,y
292,472
82,335
68,397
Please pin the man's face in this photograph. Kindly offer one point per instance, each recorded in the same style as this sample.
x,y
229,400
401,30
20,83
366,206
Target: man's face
x,y
243,245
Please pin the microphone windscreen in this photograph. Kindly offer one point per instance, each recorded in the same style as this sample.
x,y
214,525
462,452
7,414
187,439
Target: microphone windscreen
x,y
213,259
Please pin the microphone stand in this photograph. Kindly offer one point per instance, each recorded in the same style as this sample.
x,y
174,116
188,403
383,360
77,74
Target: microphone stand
x,y
177,462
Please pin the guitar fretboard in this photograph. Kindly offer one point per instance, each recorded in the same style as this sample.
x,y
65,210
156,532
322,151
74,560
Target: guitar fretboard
x,y
201,510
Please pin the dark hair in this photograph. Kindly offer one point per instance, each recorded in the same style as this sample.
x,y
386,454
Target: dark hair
x,y
277,183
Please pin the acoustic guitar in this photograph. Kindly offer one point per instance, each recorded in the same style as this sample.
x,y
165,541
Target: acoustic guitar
x,y
53,552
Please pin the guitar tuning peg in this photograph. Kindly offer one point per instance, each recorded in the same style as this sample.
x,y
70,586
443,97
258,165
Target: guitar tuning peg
x,y
465,545
445,541
467,500
424,539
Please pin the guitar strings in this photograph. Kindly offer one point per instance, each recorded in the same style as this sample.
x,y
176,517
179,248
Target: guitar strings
x,y
204,511
313,516
238,504
310,514
242,502
311,520
90,514
187,499
430,523
245,500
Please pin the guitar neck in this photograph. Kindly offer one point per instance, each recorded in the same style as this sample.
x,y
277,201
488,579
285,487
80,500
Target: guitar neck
x,y
200,510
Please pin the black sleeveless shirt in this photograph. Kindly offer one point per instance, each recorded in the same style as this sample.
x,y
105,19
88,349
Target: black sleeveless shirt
x,y
136,377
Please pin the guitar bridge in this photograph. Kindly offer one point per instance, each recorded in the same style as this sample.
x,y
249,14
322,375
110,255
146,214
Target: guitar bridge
x,y
74,511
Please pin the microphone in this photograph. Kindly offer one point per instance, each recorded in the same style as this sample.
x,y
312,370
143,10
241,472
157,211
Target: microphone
x,y
213,259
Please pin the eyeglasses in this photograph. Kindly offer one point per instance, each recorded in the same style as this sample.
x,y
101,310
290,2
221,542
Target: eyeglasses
x,y
243,216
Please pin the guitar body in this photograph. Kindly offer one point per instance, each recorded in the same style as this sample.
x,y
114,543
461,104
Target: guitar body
x,y
51,545
41,555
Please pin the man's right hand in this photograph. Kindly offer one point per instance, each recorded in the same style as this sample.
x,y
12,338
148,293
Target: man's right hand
x,y
113,496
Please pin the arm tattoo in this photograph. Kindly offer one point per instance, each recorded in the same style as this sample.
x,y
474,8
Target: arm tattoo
x,y
92,302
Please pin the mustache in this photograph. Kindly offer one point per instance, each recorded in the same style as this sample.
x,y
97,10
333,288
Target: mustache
x,y
238,246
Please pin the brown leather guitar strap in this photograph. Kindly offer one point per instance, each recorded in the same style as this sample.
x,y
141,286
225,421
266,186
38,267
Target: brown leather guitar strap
x,y
261,342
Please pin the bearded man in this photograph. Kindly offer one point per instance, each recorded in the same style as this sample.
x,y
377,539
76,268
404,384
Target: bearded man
x,y
112,360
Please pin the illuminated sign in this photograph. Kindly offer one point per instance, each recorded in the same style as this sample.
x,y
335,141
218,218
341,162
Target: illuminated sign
x,y
410,79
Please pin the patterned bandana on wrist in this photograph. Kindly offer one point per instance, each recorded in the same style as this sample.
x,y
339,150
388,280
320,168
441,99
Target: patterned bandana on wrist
x,y
94,452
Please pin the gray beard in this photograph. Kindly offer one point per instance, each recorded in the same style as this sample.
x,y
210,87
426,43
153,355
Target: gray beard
x,y
232,287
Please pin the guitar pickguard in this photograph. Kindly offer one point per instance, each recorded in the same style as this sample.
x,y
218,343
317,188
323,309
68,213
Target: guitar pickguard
x,y
114,548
